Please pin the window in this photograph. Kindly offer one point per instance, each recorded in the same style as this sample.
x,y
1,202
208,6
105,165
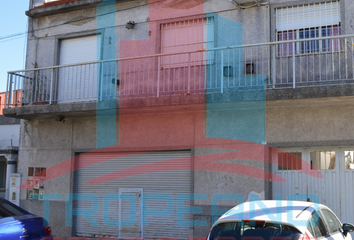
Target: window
x,y
37,177
310,229
332,222
10,210
308,21
348,159
254,230
323,159
186,36
317,223
80,83
290,161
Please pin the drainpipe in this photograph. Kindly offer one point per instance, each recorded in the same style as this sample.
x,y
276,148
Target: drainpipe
x,y
11,168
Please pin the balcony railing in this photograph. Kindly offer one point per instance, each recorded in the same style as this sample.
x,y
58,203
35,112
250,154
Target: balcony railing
x,y
289,64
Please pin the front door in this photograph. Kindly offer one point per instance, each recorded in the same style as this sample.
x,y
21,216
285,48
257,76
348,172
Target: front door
x,y
130,212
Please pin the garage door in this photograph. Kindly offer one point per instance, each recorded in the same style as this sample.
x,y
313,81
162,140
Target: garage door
x,y
326,174
137,205
79,83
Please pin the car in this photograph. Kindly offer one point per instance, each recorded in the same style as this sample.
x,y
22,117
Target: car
x,y
279,220
17,223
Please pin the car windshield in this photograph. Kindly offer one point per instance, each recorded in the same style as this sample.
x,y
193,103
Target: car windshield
x,y
10,210
249,230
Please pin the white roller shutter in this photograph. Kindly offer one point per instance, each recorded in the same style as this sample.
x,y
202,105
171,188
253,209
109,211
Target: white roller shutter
x,y
147,193
308,16
79,83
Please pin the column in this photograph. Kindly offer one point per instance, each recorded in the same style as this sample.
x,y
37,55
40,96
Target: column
x,y
11,168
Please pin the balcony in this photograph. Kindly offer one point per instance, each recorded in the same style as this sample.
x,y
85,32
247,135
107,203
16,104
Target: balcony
x,y
294,65
43,8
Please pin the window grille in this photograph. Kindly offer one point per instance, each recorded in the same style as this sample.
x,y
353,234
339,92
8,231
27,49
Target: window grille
x,y
308,21
35,181
187,36
290,161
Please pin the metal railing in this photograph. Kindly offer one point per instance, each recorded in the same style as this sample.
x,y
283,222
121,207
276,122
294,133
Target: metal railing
x,y
288,64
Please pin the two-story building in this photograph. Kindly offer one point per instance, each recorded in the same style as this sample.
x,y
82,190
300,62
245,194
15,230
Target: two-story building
x,y
150,118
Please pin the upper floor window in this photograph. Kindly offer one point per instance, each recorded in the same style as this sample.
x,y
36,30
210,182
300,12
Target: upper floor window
x,y
308,21
186,36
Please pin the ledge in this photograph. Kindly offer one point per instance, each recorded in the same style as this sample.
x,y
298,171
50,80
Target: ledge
x,y
8,121
8,150
310,92
61,7
90,109
194,102
52,111
311,144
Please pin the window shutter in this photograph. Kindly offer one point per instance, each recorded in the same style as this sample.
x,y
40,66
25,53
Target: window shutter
x,y
187,36
79,83
308,16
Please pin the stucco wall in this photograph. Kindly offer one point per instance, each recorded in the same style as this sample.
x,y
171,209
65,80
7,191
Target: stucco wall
x,y
48,142
45,143
306,122
44,42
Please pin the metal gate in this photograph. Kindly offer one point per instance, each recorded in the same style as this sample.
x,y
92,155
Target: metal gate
x,y
327,176
136,205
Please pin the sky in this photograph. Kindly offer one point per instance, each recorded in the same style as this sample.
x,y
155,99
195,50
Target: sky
x,y
12,50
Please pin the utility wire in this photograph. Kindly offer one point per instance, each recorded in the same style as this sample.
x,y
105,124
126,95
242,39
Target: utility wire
x,y
2,38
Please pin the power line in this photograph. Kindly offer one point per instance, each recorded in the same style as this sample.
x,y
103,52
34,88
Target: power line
x,y
16,35
13,35
2,38
13,38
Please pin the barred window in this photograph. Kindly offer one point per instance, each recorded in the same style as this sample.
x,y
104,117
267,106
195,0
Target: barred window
x,y
308,21
187,36
290,161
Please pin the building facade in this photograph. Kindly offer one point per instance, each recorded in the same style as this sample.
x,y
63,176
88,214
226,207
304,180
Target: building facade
x,y
151,118
9,143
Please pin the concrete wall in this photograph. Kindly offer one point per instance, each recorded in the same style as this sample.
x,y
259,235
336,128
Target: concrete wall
x,y
289,123
310,122
43,44
45,143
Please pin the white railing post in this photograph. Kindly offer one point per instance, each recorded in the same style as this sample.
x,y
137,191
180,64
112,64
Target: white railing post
x,y
116,77
222,71
7,89
274,65
189,74
158,76
10,91
101,82
51,86
294,72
